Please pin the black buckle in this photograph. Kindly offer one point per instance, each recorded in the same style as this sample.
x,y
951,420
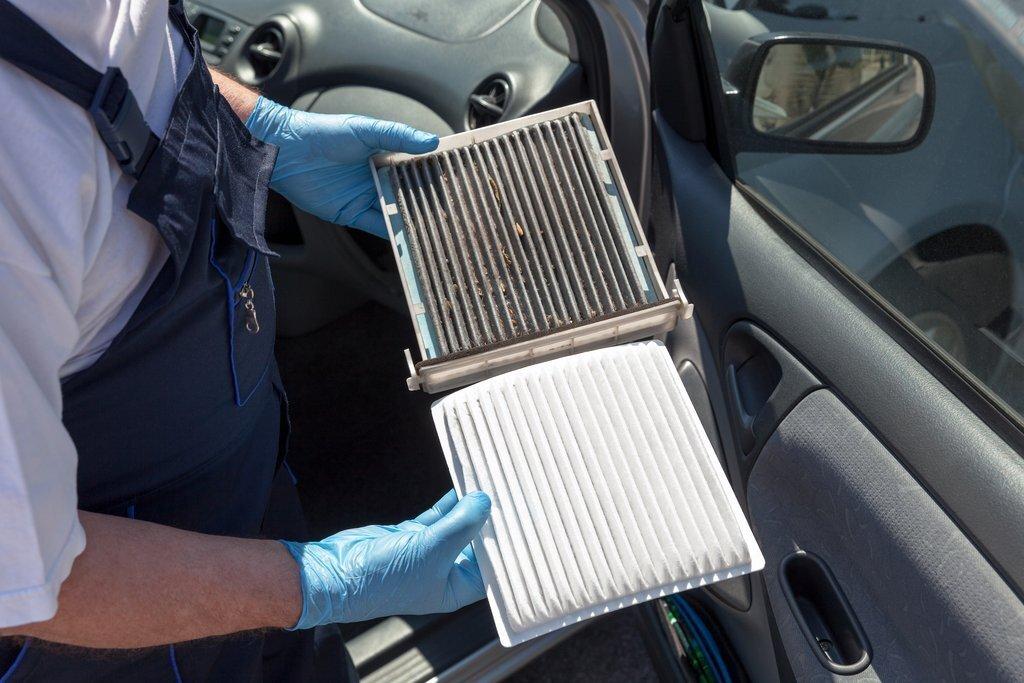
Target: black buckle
x,y
127,134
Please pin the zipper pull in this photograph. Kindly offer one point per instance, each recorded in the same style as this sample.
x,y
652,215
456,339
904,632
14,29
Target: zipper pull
x,y
252,324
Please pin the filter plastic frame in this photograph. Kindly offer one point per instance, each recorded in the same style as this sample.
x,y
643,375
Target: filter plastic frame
x,y
433,374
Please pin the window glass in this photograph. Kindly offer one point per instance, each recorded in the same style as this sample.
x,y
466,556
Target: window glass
x,y
936,230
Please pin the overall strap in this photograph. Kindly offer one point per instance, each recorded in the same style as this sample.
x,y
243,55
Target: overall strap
x,y
107,97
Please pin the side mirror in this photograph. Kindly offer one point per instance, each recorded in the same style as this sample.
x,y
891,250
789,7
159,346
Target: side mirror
x,y
828,95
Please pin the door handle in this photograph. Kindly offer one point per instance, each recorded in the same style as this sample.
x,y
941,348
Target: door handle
x,y
823,614
764,381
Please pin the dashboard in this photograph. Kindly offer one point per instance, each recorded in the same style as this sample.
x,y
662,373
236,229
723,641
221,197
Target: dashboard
x,y
216,34
444,65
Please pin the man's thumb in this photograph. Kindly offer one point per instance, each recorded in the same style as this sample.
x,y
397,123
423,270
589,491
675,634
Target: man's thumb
x,y
455,530
398,137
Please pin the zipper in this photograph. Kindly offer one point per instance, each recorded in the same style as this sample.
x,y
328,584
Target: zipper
x,y
246,295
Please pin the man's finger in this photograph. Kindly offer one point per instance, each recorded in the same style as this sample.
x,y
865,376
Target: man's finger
x,y
392,136
439,509
455,530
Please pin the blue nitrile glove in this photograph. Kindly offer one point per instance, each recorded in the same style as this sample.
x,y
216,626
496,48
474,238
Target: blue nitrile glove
x,y
422,566
322,163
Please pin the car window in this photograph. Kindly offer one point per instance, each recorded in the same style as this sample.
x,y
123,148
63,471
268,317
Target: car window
x,y
936,230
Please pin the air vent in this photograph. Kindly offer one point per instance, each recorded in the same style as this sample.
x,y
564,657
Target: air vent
x,y
488,102
264,50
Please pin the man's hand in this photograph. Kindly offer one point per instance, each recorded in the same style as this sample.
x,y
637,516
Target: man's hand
x,y
322,164
139,584
421,566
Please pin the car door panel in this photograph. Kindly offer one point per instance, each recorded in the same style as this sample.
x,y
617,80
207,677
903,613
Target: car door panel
x,y
735,266
738,261
931,605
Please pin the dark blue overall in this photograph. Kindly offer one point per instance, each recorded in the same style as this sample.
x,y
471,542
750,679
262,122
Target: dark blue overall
x,y
182,421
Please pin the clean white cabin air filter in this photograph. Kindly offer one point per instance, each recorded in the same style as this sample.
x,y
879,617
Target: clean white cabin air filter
x,y
606,491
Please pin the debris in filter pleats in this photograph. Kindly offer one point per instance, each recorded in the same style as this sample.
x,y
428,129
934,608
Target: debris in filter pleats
x,y
475,285
505,256
513,321
494,190
519,229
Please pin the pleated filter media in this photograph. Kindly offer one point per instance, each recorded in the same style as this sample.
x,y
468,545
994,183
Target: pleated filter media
x,y
518,242
606,491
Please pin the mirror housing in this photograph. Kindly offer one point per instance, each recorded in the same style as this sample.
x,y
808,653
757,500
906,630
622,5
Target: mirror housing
x,y
899,73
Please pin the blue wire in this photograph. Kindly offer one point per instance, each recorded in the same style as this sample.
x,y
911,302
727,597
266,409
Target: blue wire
x,y
692,617
702,643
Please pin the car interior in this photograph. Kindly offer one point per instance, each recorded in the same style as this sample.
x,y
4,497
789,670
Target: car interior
x,y
363,447
877,460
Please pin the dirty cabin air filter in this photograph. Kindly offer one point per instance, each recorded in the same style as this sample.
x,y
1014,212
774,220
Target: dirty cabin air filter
x,y
516,242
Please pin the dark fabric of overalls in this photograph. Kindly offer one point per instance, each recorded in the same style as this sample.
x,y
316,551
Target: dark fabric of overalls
x,y
182,421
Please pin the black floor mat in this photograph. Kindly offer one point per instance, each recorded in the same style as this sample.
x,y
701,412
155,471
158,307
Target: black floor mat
x,y
363,446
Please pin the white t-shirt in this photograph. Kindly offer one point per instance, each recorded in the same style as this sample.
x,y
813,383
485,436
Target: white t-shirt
x,y
74,264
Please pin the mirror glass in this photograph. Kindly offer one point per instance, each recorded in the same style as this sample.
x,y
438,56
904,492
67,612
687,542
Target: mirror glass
x,y
839,93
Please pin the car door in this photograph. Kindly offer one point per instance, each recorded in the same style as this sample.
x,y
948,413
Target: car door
x,y
854,346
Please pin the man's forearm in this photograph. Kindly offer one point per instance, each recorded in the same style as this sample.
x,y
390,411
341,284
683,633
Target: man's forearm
x,y
139,584
241,98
